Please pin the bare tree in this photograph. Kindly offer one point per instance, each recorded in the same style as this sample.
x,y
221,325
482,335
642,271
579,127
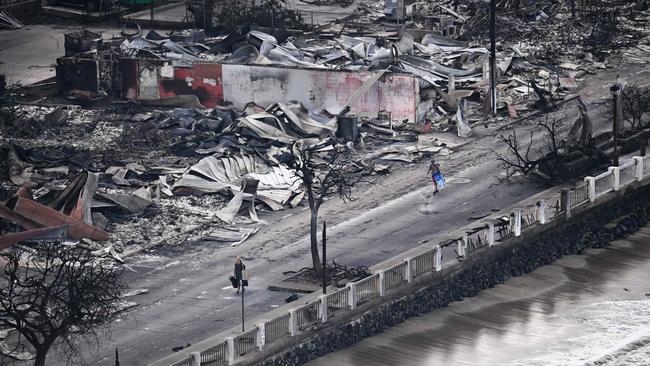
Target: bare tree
x,y
57,296
635,104
520,160
323,174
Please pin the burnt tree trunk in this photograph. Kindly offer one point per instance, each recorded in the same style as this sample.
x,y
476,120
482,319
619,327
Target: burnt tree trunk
x,y
41,355
313,231
314,206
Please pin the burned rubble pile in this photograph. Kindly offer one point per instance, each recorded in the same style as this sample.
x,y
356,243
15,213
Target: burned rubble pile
x,y
437,59
117,182
544,48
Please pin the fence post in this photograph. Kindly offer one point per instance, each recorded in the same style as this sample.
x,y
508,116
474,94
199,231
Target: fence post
x,y
466,243
461,248
451,83
293,322
592,188
565,201
261,336
409,277
638,171
438,258
323,308
230,350
382,286
196,358
541,209
491,240
616,171
352,295
517,222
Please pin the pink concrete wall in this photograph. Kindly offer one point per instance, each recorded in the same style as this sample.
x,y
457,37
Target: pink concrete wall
x,y
218,84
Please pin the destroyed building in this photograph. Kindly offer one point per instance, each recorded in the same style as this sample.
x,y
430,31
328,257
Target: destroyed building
x,y
366,74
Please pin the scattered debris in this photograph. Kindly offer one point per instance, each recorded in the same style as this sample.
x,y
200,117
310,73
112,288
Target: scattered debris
x,y
8,21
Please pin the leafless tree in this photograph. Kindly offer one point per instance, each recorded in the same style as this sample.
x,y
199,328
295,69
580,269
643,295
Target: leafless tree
x,y
56,297
525,160
636,103
323,174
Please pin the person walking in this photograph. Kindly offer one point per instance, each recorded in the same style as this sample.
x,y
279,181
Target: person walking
x,y
239,272
436,176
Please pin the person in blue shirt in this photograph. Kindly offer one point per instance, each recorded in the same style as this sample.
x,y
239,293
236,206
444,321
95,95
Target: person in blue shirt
x,y
436,176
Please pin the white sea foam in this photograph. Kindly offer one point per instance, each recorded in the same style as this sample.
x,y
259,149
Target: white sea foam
x,y
612,333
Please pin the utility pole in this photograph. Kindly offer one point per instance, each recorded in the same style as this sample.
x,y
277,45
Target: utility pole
x,y
241,284
205,11
614,89
117,358
493,56
324,258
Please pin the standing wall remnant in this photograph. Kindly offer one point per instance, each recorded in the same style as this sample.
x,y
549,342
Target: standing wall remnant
x,y
223,84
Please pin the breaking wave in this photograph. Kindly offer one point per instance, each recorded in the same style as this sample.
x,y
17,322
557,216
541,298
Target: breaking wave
x,y
612,333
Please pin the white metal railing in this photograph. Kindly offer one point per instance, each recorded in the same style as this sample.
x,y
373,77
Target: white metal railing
x,y
337,301
423,263
604,183
367,288
395,276
553,207
475,240
245,342
627,173
215,356
579,195
308,315
377,284
276,329
529,216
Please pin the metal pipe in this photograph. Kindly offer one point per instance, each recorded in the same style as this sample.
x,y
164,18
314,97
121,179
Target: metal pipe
x,y
241,284
493,57
324,258
614,89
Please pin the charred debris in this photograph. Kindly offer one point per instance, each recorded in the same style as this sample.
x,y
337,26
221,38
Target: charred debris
x,y
165,139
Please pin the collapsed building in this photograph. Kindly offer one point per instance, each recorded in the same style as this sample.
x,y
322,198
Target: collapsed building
x,y
360,75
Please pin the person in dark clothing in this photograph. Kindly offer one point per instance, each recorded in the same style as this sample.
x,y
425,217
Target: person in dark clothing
x,y
239,271
434,169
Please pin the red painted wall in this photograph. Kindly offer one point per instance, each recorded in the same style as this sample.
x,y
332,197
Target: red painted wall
x,y
203,80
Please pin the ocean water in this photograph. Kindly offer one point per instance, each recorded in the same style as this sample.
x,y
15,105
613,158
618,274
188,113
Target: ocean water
x,y
592,309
